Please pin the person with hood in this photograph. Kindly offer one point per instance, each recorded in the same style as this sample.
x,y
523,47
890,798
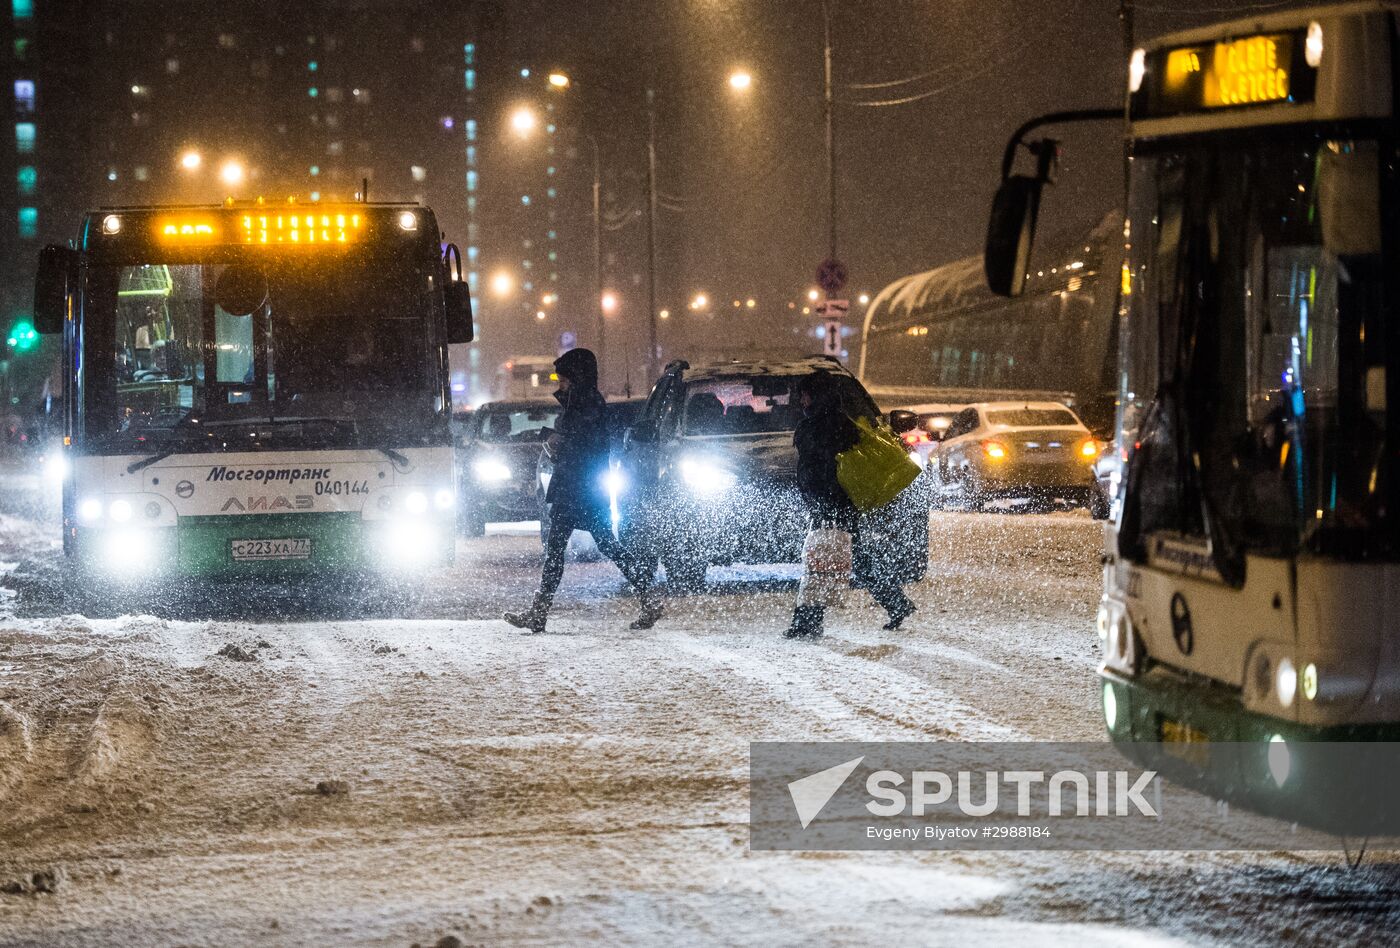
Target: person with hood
x,y
577,498
824,432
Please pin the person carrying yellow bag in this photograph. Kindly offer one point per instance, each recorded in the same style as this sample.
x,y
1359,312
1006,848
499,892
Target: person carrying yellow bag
x,y
823,438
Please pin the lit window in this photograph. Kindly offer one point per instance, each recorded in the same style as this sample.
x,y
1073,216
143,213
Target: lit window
x,y
549,170
473,232
470,77
24,137
471,180
172,66
24,95
471,205
525,199
526,264
27,178
313,92
446,122
23,9
315,195
29,222
21,49
419,173
473,253
315,170
141,172
553,256
551,193
469,54
524,74
228,41
333,94
312,66
471,130
335,148
552,235
471,283
471,154
111,174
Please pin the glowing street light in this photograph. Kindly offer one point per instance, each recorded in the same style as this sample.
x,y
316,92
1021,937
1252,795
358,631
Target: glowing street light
x,y
750,302
700,301
740,80
540,314
609,302
191,160
813,295
232,173
524,121
664,314
502,283
864,299
559,80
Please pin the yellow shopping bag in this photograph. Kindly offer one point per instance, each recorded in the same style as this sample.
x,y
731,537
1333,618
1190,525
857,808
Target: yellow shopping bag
x,y
877,468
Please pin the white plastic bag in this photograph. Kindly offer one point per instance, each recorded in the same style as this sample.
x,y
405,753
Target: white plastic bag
x,y
826,567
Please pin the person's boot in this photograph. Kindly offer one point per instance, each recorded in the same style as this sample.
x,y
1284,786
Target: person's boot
x,y
531,619
899,612
806,623
650,612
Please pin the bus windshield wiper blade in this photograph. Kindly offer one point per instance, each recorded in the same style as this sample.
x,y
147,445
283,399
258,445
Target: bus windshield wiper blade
x,y
146,462
398,459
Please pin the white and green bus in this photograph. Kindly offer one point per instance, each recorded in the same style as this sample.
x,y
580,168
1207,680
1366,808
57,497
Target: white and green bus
x,y
1253,558
256,390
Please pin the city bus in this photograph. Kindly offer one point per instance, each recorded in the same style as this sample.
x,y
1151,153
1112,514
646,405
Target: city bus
x,y
255,390
1249,619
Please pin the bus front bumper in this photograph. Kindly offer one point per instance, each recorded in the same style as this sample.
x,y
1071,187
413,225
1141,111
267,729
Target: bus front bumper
x,y
291,545
1338,779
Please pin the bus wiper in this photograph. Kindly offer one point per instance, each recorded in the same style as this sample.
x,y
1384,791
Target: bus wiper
x,y
146,462
398,459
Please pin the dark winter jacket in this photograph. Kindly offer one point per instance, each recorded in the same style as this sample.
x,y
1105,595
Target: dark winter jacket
x,y
825,432
580,450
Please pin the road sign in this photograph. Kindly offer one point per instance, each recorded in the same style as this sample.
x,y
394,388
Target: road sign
x,y
831,338
834,309
831,275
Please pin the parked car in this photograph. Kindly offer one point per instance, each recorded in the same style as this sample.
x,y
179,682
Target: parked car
x,y
1037,451
497,461
708,472
933,420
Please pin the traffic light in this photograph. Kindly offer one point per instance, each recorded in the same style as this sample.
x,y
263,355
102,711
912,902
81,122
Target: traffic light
x,y
22,336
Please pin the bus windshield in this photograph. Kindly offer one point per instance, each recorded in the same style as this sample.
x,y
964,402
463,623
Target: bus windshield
x,y
343,353
1255,357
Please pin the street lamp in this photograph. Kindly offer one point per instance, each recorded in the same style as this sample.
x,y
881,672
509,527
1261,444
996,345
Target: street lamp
x,y
740,80
559,80
524,121
232,173
609,302
700,301
502,283
191,160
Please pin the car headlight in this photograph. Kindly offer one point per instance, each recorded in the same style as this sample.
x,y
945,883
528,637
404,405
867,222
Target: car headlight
x,y
614,482
491,470
706,477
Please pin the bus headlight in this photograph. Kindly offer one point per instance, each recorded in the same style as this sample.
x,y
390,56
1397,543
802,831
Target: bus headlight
x,y
1110,707
89,511
120,511
128,553
409,543
706,477
416,502
1312,48
1309,681
1285,682
491,470
614,482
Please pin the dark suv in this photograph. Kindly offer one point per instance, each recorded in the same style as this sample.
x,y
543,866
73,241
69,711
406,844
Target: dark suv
x,y
709,472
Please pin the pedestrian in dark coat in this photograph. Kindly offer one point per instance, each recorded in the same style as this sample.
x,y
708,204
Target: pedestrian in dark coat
x,y
824,432
577,497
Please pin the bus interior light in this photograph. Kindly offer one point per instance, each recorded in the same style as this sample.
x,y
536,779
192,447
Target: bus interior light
x,y
1312,48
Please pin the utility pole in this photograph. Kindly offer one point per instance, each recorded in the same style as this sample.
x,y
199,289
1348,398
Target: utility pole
x,y
829,105
598,260
653,350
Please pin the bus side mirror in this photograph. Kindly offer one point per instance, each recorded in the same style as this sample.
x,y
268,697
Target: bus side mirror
x,y
56,269
458,298
456,294
1010,234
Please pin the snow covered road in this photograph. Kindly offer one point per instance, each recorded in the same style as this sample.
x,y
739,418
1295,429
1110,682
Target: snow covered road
x,y
249,769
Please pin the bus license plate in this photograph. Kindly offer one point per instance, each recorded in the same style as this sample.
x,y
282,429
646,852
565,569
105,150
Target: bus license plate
x,y
292,548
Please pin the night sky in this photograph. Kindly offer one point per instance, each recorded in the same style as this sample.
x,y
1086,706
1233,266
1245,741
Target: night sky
x,y
915,180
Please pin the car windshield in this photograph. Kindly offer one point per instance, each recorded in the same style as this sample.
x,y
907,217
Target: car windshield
x,y
1033,418
757,404
516,425
240,340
